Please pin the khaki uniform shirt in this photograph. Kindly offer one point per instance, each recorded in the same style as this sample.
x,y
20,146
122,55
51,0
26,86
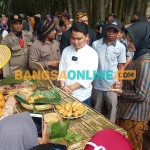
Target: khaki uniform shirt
x,y
19,56
42,52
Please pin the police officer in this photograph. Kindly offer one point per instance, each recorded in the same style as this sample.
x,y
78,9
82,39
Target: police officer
x,y
18,41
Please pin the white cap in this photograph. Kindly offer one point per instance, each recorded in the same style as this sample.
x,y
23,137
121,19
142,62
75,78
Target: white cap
x,y
38,15
71,19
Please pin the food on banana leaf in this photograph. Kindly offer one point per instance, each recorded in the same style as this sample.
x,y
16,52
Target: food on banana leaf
x,y
40,97
32,99
71,109
50,118
12,83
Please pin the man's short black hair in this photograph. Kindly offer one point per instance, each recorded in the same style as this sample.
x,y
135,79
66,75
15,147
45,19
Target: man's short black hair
x,y
137,13
66,15
80,27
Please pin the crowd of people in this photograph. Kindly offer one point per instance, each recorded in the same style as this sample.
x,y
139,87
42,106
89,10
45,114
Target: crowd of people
x,y
86,62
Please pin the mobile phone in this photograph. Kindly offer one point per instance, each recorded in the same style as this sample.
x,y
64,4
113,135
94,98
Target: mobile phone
x,y
57,146
38,120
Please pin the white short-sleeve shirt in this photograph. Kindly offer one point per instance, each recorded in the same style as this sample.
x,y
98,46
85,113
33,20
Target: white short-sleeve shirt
x,y
86,64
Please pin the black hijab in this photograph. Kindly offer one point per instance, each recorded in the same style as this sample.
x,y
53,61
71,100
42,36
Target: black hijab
x,y
140,34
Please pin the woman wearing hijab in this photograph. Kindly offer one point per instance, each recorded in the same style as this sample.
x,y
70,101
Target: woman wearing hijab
x,y
133,107
18,132
49,17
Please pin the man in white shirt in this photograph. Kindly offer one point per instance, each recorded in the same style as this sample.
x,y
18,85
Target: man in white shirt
x,y
78,62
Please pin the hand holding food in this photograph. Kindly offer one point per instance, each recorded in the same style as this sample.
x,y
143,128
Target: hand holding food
x,y
71,109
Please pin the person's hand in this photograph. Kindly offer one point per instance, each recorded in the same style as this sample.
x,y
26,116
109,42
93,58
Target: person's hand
x,y
53,63
45,135
119,91
67,90
4,89
12,99
117,85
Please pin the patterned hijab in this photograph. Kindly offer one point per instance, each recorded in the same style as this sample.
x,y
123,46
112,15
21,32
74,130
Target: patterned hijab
x,y
79,15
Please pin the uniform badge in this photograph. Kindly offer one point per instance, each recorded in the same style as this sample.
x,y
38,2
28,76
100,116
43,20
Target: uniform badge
x,y
15,17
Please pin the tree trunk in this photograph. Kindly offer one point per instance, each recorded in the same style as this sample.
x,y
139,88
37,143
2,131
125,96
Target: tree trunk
x,y
94,13
121,10
75,5
73,11
70,8
138,7
58,6
90,12
102,10
110,6
131,11
147,13
106,3
88,7
79,4
143,8
116,7
83,4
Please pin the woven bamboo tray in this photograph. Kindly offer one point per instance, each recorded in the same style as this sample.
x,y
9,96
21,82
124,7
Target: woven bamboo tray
x,y
86,126
38,107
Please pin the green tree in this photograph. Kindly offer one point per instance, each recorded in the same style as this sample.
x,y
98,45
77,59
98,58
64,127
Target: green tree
x,y
131,10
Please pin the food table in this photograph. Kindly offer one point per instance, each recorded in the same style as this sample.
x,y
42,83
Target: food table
x,y
87,125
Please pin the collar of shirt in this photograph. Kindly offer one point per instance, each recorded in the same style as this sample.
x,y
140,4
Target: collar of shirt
x,y
104,42
81,49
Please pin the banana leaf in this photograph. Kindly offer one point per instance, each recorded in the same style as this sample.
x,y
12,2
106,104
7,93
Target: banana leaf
x,y
77,137
21,98
47,94
58,130
35,111
10,80
68,137
41,101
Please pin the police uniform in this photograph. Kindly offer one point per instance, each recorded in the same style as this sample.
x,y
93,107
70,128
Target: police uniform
x,y
19,54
